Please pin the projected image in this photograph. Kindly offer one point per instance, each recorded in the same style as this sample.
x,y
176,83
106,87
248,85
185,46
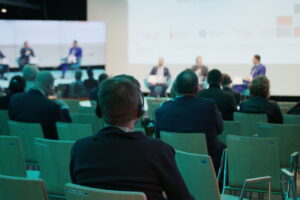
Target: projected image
x,y
51,43
227,32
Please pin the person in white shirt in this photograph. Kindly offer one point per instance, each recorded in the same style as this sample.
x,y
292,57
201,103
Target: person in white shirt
x,y
162,76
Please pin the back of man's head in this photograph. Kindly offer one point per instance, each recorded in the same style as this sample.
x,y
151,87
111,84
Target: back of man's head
x,y
130,78
30,72
119,101
44,81
90,73
186,83
226,80
214,77
78,75
101,78
17,84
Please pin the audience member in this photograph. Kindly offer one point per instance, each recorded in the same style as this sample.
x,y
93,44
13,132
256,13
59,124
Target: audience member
x,y
259,103
94,93
120,158
226,83
224,100
76,89
189,113
34,106
29,73
90,83
163,76
16,85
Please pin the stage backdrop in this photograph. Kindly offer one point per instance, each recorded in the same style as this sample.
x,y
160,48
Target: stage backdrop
x,y
227,35
51,40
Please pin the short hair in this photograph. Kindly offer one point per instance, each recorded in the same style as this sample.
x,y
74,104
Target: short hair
x,y
119,100
75,41
78,75
214,77
17,84
130,78
90,72
257,57
30,72
260,86
186,82
226,79
102,77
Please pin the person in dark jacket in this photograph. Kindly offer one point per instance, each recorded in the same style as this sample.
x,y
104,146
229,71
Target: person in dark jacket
x,y
119,158
163,77
34,106
259,103
224,100
189,113
16,85
90,83
226,84
94,93
25,53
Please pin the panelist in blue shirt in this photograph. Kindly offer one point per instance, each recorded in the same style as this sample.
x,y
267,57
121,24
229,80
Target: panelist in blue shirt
x,y
73,60
258,69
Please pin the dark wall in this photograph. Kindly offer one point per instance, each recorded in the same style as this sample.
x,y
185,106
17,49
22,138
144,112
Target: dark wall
x,y
44,9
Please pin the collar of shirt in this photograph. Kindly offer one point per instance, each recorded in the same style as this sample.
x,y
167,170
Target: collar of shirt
x,y
125,129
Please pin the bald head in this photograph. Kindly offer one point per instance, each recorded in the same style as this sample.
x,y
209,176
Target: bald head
x,y
30,72
161,62
45,81
186,83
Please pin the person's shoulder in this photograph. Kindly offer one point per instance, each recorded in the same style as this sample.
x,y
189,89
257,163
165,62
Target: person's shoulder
x,y
158,146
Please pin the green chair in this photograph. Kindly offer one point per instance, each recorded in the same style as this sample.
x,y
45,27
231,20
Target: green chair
x,y
92,119
27,132
19,188
198,173
78,192
72,131
73,104
12,162
249,122
250,157
291,119
288,137
230,128
188,142
4,130
153,104
54,159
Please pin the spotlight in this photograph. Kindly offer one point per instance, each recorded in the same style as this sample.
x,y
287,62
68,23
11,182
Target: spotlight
x,y
3,10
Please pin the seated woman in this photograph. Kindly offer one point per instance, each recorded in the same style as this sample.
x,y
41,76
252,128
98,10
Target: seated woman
x,y
259,103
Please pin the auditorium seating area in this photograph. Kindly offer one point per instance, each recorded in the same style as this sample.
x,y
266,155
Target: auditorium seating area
x,y
261,159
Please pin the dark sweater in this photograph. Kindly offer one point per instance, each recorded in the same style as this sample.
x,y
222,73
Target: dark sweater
x,y
116,160
259,104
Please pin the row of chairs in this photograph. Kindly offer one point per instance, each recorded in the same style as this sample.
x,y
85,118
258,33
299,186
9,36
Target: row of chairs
x,y
246,158
18,188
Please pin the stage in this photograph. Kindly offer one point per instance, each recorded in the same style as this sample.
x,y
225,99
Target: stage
x,y
69,77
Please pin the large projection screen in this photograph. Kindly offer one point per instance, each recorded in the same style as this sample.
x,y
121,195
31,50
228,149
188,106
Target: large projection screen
x,y
51,40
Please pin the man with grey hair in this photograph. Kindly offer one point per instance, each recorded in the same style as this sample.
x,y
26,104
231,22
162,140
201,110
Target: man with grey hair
x,y
120,158
29,74
34,106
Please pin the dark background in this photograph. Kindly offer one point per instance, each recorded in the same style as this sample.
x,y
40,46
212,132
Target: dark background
x,y
44,9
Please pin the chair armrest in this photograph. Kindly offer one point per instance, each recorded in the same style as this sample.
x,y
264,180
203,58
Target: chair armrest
x,y
289,184
248,181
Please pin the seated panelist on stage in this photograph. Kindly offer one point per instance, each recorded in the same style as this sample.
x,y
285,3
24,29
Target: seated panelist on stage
x,y
258,69
73,60
26,54
35,107
159,79
200,69
120,158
